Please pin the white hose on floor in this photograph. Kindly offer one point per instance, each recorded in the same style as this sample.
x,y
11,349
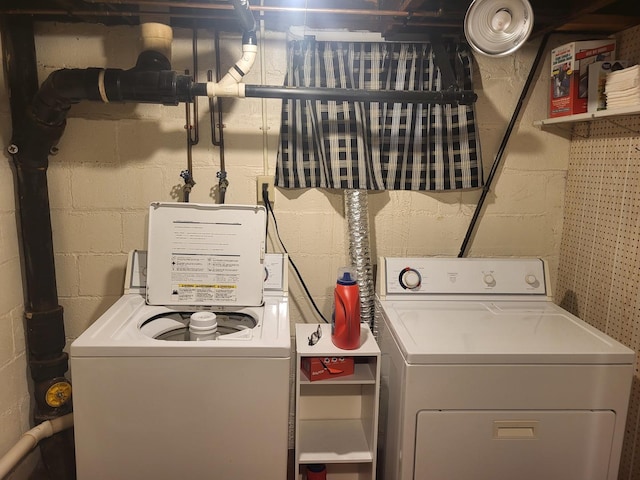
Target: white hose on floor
x,y
30,439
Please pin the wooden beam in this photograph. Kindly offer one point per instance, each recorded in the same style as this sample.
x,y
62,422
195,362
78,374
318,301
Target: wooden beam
x,y
579,9
600,23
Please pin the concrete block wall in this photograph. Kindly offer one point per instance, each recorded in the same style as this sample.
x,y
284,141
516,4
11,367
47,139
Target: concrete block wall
x,y
114,160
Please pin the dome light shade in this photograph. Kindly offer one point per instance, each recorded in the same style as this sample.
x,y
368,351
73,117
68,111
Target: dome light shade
x,y
498,27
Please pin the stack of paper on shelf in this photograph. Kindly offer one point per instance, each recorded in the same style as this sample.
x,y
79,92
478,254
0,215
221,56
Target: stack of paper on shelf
x,y
623,88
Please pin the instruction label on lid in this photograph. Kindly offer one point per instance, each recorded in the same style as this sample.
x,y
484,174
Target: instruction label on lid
x,y
204,278
203,254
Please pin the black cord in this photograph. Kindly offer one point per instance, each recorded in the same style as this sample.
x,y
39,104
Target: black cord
x,y
267,203
265,198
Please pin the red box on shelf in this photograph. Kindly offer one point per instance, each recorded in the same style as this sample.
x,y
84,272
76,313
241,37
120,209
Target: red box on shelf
x,y
569,86
323,368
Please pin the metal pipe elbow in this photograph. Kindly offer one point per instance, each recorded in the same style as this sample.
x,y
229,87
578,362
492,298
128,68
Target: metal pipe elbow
x,y
63,88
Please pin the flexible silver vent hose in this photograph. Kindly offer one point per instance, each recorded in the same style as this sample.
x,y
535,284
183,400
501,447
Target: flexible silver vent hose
x,y
356,207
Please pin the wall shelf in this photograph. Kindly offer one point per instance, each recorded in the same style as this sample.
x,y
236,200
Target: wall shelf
x,y
589,116
564,125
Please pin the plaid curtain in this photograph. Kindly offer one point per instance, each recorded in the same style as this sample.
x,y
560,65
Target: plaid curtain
x,y
369,145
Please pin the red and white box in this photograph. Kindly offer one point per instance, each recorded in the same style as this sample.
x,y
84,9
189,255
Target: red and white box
x,y
322,368
570,74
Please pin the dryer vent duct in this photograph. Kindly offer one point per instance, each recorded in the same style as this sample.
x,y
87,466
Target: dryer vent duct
x,y
356,207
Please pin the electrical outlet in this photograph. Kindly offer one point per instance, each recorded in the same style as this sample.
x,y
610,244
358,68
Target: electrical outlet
x,y
269,181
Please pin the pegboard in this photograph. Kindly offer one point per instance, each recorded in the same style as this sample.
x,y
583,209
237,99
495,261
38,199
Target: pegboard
x,y
628,45
599,267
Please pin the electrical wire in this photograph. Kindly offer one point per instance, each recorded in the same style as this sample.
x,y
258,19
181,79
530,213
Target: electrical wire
x,y
267,203
265,199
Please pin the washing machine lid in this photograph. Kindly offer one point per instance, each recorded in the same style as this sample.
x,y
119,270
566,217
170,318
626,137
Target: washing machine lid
x,y
205,254
463,332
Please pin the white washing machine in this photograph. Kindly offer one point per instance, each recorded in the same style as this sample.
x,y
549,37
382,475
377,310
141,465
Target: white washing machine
x,y
155,399
485,378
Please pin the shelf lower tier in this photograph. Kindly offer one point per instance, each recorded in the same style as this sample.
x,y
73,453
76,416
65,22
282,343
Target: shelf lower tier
x,y
362,374
333,441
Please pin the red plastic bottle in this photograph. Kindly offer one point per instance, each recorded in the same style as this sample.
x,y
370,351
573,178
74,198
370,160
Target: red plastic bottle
x,y
316,472
345,323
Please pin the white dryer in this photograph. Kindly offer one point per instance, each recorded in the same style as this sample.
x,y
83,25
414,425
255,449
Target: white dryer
x,y
485,378
153,400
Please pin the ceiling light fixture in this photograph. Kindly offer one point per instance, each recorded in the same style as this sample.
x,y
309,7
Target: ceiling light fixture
x,y
498,27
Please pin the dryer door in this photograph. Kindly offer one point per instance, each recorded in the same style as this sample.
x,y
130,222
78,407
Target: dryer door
x,y
527,445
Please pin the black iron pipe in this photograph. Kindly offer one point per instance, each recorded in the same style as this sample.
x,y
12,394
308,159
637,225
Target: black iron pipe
x,y
68,86
460,97
244,14
35,226
44,326
165,87
503,145
59,91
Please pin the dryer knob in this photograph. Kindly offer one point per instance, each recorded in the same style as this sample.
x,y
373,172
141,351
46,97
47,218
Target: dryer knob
x,y
531,280
410,278
489,280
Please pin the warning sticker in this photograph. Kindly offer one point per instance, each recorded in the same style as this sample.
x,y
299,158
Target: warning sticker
x,y
205,293
204,278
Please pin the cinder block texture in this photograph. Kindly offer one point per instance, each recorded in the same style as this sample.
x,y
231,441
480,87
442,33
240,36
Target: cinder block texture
x,y
116,159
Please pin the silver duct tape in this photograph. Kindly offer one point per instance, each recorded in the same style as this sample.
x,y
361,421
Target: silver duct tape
x,y
357,212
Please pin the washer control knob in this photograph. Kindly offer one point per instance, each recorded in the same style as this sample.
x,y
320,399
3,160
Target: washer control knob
x,y
531,280
410,279
489,280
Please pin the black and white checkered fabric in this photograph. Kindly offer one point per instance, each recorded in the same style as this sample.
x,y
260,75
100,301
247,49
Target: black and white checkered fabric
x,y
375,146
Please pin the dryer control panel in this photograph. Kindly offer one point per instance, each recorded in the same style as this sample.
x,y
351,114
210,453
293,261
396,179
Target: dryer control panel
x,y
461,276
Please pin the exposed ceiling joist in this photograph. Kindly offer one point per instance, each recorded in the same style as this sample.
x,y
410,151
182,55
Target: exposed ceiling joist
x,y
390,17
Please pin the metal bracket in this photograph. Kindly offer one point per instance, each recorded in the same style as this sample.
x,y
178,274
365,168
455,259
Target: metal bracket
x,y
441,58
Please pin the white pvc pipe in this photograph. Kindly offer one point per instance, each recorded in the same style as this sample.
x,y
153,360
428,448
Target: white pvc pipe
x,y
157,37
230,85
30,439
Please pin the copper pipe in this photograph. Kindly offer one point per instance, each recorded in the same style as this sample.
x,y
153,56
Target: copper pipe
x,y
264,8
99,13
